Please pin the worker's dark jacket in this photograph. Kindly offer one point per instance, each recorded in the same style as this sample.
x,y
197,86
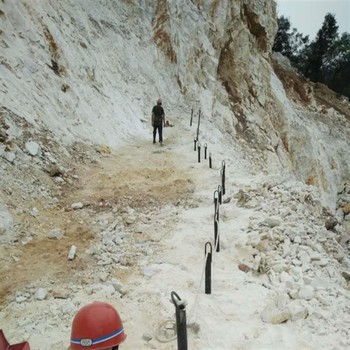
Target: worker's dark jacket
x,y
158,113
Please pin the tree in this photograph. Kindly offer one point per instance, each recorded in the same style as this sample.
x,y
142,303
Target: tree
x,y
325,60
318,50
336,66
281,43
289,42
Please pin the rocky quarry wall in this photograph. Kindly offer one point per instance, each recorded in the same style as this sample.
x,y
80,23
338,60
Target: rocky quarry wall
x,y
78,79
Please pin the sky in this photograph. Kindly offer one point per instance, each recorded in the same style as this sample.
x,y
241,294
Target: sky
x,y
307,16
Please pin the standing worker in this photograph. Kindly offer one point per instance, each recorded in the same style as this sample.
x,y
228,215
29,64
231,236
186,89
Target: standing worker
x,y
158,120
97,326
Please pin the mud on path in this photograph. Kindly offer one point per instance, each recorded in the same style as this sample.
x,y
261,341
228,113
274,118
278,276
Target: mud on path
x,y
141,176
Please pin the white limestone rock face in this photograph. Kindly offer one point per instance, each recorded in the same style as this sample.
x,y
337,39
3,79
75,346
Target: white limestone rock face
x,y
41,293
272,221
32,148
275,315
6,221
72,252
306,293
284,309
9,156
297,311
55,234
76,206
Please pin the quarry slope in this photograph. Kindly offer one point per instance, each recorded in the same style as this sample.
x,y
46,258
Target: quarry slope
x,y
78,80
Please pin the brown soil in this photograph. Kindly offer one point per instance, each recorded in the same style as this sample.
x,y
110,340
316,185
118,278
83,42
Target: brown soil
x,y
140,177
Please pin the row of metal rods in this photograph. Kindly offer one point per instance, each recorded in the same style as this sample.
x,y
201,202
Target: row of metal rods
x,y
198,147
218,194
180,306
197,144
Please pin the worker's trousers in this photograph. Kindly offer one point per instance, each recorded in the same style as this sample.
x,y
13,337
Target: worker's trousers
x,y
160,132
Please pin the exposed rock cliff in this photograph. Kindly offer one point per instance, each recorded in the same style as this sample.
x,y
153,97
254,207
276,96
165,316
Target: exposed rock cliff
x,y
59,61
78,79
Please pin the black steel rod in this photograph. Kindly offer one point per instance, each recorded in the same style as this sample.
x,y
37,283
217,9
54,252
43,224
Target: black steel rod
x,y
223,185
223,177
191,116
210,162
222,172
217,212
220,194
216,235
208,267
181,323
205,151
216,204
199,121
199,152
195,144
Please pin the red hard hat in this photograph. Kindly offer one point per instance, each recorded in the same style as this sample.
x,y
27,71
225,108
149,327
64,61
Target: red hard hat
x,y
96,326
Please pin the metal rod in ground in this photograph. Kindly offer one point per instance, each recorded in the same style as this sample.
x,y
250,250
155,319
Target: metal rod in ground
x,y
199,121
199,151
216,196
223,177
216,234
191,117
216,204
205,151
180,321
210,162
208,254
222,172
195,144
220,194
217,211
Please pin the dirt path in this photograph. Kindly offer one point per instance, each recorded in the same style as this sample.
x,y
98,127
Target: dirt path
x,y
141,176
